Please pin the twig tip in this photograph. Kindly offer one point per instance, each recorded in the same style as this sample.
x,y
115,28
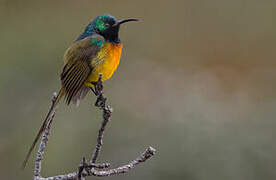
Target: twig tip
x,y
151,150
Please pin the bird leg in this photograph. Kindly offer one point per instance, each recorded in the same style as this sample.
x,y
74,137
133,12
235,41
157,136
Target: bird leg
x,y
93,89
98,86
98,91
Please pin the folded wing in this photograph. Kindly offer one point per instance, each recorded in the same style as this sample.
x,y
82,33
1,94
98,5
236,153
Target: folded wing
x,y
77,66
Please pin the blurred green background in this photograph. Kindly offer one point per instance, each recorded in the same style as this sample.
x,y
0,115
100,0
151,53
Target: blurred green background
x,y
197,81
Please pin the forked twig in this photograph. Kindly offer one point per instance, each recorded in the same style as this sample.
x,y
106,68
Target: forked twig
x,y
92,168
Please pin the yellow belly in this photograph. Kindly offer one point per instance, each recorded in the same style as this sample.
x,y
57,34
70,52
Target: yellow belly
x,y
111,54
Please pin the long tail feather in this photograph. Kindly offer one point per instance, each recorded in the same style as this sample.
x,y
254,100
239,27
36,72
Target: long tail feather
x,y
43,126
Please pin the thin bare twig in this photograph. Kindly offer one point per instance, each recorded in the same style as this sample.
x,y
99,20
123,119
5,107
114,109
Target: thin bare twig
x,y
92,168
148,153
107,110
44,140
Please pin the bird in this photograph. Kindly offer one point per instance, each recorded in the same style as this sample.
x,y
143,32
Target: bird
x,y
96,51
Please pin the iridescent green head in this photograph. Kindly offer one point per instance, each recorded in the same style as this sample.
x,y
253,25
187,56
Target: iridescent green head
x,y
105,25
103,22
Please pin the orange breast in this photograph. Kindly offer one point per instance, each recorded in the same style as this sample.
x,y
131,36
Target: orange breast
x,y
111,54
116,50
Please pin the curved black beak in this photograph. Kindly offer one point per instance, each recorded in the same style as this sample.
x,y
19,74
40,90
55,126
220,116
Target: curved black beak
x,y
124,21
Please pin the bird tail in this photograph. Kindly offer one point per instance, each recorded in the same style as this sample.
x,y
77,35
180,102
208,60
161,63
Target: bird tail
x,y
43,126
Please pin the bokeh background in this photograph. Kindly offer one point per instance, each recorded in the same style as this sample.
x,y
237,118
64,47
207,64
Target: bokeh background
x,y
197,81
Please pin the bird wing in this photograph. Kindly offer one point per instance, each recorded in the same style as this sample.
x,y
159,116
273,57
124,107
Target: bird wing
x,y
77,66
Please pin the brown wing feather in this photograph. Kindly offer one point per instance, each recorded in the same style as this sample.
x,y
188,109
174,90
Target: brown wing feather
x,y
77,68
74,78
78,83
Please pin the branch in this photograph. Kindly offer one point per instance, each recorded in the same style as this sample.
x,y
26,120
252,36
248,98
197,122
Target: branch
x,y
92,168
107,110
148,153
44,140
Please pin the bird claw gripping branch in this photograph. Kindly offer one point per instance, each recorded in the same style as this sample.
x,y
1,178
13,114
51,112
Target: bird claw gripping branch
x,y
98,86
98,91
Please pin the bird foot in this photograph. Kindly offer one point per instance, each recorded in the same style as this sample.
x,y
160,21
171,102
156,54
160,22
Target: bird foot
x,y
98,91
98,86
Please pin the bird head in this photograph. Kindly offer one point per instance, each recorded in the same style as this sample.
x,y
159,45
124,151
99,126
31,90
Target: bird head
x,y
107,26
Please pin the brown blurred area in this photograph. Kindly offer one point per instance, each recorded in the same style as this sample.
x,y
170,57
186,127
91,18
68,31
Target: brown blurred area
x,y
196,81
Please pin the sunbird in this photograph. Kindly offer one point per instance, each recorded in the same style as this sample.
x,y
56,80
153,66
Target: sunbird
x,y
96,51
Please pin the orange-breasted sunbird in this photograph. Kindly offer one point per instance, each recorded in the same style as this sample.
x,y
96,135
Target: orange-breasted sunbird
x,y
96,51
